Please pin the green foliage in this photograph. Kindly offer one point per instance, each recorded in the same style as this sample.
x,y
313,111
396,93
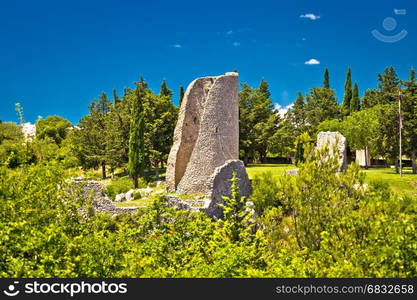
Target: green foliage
x,y
312,211
326,82
330,226
361,128
303,145
257,121
155,242
14,152
336,227
321,105
19,112
136,195
409,109
37,221
234,212
292,126
355,102
318,224
54,127
330,125
165,91
181,96
347,97
136,165
119,185
90,136
265,191
9,131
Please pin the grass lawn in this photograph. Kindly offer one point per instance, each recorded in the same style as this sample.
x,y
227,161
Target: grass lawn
x,y
135,203
275,169
406,184
403,185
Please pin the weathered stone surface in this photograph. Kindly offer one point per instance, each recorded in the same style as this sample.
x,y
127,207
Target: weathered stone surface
x,y
220,185
120,197
206,144
106,205
206,135
146,191
291,172
129,195
332,138
100,201
176,202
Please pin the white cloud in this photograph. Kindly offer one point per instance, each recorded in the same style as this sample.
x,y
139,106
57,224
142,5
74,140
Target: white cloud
x,y
177,46
400,11
236,44
282,110
312,61
310,16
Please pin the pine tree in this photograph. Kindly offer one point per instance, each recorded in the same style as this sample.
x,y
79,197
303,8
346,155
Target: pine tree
x,y
388,86
92,135
321,106
143,82
115,97
181,95
257,120
165,91
348,93
136,163
355,102
297,115
409,108
264,89
326,83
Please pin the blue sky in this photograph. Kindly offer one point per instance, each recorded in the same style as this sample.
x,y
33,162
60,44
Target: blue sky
x,y
56,56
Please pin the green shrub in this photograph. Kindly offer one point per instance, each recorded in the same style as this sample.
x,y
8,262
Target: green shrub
x,y
380,187
136,195
328,226
265,191
119,185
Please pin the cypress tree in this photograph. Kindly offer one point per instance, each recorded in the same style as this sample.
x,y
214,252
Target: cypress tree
x,y
409,108
165,91
348,93
115,97
355,102
136,163
326,83
299,153
143,82
181,95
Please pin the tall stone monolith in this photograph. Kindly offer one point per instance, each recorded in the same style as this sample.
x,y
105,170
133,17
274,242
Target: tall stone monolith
x,y
206,138
334,140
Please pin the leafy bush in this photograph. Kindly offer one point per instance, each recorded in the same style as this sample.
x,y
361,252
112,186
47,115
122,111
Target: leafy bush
x,y
339,228
119,185
328,226
136,195
265,191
